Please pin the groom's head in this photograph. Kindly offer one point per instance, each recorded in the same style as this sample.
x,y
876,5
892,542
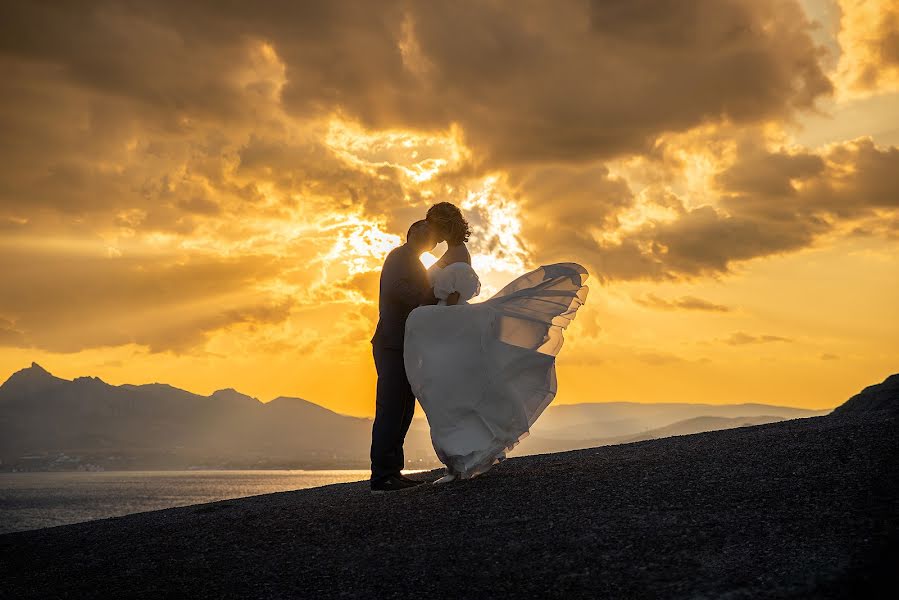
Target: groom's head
x,y
420,236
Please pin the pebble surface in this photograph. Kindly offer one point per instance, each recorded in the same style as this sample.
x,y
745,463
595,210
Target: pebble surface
x,y
796,509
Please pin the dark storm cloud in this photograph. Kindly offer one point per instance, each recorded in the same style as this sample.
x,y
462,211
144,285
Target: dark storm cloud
x,y
573,81
770,203
848,180
528,81
767,175
705,241
122,50
186,86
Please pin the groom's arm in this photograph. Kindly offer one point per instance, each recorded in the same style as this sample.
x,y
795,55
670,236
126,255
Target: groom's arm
x,y
400,283
429,297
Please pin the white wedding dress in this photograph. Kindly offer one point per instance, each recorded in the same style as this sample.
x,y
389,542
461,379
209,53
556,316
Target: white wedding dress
x,y
484,372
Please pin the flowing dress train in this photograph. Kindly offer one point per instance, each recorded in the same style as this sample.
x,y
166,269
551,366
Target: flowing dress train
x,y
484,372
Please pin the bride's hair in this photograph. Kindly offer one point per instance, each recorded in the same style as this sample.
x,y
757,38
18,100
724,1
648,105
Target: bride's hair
x,y
448,218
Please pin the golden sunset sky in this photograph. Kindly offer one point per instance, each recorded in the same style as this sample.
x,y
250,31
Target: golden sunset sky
x,y
201,194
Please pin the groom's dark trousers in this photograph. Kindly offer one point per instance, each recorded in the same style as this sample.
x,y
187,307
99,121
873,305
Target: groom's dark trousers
x,y
404,286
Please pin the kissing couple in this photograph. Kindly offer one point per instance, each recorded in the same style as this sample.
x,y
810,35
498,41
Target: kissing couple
x,y
483,372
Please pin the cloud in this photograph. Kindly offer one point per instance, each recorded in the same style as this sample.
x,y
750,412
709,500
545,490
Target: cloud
x,y
66,303
684,302
881,226
592,81
562,206
766,174
846,180
660,358
567,81
869,44
593,352
134,137
767,202
740,338
174,169
9,335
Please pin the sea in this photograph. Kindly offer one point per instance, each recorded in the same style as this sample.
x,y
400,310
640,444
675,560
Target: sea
x,y
34,500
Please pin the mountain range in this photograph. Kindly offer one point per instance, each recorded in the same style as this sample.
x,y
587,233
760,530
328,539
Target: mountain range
x,y
50,423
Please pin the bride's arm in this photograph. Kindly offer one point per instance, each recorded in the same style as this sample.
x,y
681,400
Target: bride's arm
x,y
455,281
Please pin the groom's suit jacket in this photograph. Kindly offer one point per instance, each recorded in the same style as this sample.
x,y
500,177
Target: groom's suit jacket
x,y
404,286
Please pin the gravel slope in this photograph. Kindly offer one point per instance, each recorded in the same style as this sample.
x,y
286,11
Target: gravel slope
x,y
800,508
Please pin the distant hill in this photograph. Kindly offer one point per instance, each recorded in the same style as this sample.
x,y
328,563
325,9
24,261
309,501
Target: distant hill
x,y
160,426
615,419
50,423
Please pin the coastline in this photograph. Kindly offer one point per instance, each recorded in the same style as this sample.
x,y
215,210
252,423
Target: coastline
x,y
33,500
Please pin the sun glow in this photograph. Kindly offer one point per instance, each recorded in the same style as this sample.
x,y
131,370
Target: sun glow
x,y
496,242
417,156
496,246
360,246
428,259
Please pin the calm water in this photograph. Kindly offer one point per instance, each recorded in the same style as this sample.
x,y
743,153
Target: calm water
x,y
33,500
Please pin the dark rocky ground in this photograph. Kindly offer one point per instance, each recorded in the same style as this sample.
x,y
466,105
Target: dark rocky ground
x,y
802,508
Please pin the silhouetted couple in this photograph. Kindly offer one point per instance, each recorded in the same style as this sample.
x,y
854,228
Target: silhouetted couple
x,y
483,372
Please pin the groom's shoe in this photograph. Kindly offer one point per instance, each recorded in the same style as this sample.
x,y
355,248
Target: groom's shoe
x,y
412,481
393,483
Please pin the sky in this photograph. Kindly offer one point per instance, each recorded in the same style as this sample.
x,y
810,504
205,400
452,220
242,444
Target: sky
x,y
202,193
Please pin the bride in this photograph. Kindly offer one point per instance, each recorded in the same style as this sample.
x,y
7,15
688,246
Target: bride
x,y
484,372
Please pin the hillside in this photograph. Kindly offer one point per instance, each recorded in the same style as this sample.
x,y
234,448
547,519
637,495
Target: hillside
x,y
538,444
50,423
795,509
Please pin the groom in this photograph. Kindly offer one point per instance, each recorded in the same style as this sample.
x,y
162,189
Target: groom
x,y
404,287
